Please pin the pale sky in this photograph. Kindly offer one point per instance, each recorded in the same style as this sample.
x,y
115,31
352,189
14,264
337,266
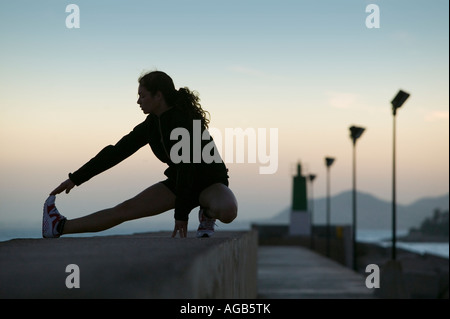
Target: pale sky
x,y
311,69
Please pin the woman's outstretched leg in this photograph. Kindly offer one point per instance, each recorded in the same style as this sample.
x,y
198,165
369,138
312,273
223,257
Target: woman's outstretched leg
x,y
153,201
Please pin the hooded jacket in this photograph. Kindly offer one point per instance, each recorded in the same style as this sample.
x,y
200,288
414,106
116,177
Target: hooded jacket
x,y
156,131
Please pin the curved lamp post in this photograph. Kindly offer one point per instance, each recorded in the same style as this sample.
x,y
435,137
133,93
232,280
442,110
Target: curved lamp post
x,y
355,133
397,102
328,162
311,178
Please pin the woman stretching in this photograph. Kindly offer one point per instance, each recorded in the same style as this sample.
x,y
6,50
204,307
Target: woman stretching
x,y
190,182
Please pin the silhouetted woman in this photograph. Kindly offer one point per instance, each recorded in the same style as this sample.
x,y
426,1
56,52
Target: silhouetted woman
x,y
190,183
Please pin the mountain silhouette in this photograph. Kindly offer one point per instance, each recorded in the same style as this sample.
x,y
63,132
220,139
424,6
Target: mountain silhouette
x,y
371,212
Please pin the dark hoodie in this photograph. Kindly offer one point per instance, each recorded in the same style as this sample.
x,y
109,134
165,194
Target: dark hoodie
x,y
189,178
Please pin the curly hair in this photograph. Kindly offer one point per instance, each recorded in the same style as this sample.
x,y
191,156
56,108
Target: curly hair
x,y
186,100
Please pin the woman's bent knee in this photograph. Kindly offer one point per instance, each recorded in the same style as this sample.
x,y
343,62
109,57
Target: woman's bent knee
x,y
228,214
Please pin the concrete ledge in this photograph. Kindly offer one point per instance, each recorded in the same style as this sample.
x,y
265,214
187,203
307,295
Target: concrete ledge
x,y
148,265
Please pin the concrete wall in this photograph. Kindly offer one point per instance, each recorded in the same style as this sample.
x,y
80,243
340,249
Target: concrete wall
x,y
229,270
151,265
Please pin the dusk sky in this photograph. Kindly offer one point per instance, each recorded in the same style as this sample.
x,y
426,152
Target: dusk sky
x,y
311,69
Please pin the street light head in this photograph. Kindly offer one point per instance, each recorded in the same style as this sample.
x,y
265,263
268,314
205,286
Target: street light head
x,y
398,100
356,132
329,161
311,177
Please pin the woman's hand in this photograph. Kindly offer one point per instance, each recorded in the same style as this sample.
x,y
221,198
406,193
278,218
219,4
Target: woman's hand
x,y
67,185
180,226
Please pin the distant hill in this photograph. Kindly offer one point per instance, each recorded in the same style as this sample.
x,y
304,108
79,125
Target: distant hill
x,y
372,212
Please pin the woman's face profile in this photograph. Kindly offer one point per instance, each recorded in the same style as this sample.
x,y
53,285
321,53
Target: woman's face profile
x,y
149,103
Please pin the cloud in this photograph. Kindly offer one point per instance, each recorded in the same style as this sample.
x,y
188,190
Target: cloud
x,y
342,100
436,116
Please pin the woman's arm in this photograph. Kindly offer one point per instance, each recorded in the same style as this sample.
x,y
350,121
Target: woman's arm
x,y
111,155
108,157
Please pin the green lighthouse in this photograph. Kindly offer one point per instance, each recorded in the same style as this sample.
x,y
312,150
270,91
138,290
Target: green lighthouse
x,y
300,219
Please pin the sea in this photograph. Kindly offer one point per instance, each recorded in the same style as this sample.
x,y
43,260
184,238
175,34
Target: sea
x,y
384,238
381,237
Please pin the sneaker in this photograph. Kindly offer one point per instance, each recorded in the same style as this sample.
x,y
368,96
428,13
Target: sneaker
x,y
206,227
51,219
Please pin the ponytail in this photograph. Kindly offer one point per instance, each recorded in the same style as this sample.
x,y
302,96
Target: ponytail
x,y
189,102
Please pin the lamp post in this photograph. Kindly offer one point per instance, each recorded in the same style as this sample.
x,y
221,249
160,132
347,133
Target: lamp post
x,y
355,133
311,178
328,162
397,102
